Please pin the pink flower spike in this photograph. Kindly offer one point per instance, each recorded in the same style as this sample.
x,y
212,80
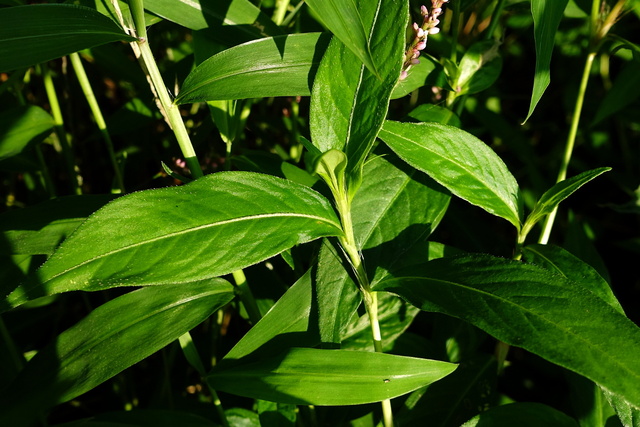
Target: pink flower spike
x,y
437,11
421,45
423,10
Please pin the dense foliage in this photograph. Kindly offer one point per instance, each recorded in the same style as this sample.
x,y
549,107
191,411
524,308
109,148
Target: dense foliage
x,y
320,213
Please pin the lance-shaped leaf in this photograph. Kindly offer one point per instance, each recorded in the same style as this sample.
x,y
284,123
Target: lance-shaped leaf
x,y
277,66
208,228
37,33
556,194
241,17
527,306
349,103
343,18
460,162
546,19
307,376
20,126
113,337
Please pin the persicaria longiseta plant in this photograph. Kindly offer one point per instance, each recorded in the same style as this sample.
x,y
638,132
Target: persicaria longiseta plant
x,y
307,213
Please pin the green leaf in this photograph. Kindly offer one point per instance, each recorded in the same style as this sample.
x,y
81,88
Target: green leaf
x,y
277,66
559,261
306,376
349,103
526,414
286,325
546,19
454,399
624,91
479,68
556,194
343,18
241,18
37,33
39,229
435,113
20,126
460,162
527,306
161,236
428,72
113,337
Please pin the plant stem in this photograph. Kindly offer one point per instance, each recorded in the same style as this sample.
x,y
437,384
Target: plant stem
x,y
246,296
571,139
281,10
495,17
369,297
76,62
170,110
58,127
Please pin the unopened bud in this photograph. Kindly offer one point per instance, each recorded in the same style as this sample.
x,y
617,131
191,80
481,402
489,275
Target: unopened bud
x,y
421,45
423,10
434,30
403,75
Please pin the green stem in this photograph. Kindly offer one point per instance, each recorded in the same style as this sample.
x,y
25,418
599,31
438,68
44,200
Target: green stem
x,y
170,110
571,139
58,127
76,62
280,11
495,18
246,296
369,297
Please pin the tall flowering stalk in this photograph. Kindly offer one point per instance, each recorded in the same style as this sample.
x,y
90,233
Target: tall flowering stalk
x,y
429,26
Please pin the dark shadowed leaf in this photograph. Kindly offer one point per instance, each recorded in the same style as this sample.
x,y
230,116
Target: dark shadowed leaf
x,y
37,33
547,314
113,337
522,414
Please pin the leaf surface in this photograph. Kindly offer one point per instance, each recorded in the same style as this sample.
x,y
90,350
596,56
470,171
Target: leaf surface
x,y
276,66
20,126
213,226
526,306
241,17
113,337
328,377
343,18
349,103
460,162
547,15
559,192
37,33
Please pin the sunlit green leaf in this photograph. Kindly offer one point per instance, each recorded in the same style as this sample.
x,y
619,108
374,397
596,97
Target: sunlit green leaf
x,y
113,337
37,33
547,15
460,162
347,20
159,236
349,103
229,18
327,377
556,194
278,66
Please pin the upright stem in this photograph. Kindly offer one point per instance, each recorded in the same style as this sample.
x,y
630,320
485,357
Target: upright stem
x,y
170,110
58,127
76,62
370,298
495,17
571,139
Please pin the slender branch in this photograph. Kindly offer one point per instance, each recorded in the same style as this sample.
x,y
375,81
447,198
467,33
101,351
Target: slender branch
x,y
76,62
